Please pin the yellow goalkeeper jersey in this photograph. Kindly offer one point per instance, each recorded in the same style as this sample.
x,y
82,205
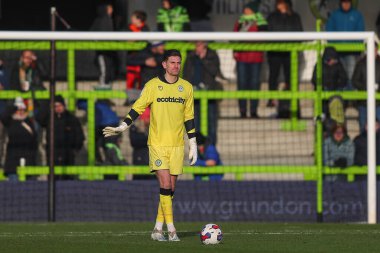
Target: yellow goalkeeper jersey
x,y
171,105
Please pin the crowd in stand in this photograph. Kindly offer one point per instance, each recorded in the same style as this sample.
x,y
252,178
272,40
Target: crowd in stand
x,y
22,120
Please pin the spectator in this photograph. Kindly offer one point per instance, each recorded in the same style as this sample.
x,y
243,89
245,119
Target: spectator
x,y
249,63
361,147
378,25
104,116
172,18
338,149
26,74
133,76
138,24
105,60
359,81
22,143
149,60
207,156
334,77
4,85
346,19
283,19
138,135
198,13
113,155
201,68
68,133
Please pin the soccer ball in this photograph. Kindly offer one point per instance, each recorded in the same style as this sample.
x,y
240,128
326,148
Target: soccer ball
x,y
211,234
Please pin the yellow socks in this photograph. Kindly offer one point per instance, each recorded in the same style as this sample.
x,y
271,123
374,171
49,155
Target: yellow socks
x,y
167,208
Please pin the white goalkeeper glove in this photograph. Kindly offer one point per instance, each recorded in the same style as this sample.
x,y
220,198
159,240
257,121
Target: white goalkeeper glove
x,y
110,131
193,153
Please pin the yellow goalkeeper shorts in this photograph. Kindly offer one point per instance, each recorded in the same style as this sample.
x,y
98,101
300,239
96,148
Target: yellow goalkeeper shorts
x,y
163,158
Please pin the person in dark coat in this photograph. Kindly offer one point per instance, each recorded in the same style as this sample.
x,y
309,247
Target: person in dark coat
x,y
201,68
138,135
378,25
105,60
22,143
283,19
68,133
361,151
334,76
149,60
359,81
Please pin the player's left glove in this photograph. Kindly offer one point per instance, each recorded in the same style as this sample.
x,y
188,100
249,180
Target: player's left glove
x,y
193,153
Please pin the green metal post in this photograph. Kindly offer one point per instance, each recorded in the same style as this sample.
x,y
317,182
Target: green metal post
x,y
294,87
204,114
91,130
319,132
71,78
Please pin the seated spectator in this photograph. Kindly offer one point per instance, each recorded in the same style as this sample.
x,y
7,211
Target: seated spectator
x,y
249,62
201,69
104,116
113,155
22,143
334,77
361,150
26,74
172,18
138,135
207,156
338,149
359,81
68,132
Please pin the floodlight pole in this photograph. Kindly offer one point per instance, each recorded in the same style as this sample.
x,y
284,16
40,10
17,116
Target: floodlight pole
x,y
51,188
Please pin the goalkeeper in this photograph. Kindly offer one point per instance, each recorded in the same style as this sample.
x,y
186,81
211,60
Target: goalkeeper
x,y
171,102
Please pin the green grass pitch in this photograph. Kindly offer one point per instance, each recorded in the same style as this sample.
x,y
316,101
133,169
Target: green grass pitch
x,y
238,237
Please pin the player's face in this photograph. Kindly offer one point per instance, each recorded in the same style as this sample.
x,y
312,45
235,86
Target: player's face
x,y
173,65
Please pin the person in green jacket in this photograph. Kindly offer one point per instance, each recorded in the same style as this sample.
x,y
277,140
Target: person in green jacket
x,y
172,18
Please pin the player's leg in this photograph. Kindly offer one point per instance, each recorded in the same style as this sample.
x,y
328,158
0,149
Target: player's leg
x,y
176,168
158,162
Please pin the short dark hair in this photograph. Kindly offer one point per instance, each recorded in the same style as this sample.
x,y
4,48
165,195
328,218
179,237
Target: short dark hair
x,y
141,15
171,52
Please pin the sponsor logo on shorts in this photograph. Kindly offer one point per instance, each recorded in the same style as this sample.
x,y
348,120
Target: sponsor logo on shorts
x,y
180,88
158,162
172,100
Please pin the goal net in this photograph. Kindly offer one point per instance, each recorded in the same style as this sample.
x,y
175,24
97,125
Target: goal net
x,y
286,126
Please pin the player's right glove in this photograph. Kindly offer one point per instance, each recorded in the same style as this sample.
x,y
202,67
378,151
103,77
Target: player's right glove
x,y
110,131
193,153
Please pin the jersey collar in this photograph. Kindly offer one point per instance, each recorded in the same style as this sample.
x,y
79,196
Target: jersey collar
x,y
162,78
